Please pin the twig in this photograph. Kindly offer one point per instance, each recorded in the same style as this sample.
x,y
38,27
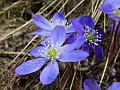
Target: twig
x,y
10,7
116,56
75,67
27,23
110,46
75,8
14,53
19,54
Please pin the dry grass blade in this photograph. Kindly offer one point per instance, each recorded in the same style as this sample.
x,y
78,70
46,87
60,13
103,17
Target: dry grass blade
x,y
75,8
5,37
54,8
12,6
75,67
63,5
27,23
19,54
110,49
97,12
118,52
14,53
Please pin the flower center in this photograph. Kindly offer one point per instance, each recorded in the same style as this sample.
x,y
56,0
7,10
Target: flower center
x,y
117,13
52,53
93,36
90,37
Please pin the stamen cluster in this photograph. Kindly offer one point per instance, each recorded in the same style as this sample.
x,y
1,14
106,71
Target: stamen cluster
x,y
92,35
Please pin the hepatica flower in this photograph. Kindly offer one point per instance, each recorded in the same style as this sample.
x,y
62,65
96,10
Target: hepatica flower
x,y
90,84
85,26
112,8
51,53
46,27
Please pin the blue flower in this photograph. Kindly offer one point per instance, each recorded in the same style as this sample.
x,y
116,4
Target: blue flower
x,y
90,84
51,53
47,27
114,86
111,7
85,26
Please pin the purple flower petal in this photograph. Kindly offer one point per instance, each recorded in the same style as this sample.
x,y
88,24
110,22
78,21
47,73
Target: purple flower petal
x,y
41,32
81,20
68,35
114,86
73,56
76,44
79,41
110,5
37,51
49,73
90,84
42,22
58,36
30,66
89,22
86,47
59,19
102,34
70,29
99,52
79,28
112,16
72,39
46,41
